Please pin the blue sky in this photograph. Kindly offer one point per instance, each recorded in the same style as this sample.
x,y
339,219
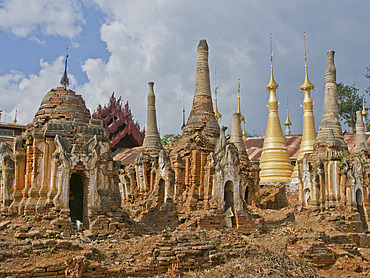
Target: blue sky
x,y
122,45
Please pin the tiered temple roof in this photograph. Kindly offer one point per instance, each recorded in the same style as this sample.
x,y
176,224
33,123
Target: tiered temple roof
x,y
119,124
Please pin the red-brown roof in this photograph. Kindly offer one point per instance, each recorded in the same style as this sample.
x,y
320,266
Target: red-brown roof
x,y
127,156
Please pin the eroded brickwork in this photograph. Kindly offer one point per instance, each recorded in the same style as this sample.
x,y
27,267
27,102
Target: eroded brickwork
x,y
62,161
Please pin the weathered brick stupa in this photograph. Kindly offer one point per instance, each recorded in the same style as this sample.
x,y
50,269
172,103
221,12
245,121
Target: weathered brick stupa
x,y
62,161
200,175
152,140
201,121
148,183
119,124
330,177
319,172
330,125
361,142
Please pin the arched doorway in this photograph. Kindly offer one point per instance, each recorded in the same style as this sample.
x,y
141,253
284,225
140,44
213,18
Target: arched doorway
x,y
247,194
229,195
76,193
229,200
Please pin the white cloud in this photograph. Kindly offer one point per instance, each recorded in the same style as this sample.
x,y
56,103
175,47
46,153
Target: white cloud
x,y
157,40
25,18
25,93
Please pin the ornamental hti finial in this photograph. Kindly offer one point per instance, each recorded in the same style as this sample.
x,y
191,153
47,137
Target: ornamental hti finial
x,y
64,80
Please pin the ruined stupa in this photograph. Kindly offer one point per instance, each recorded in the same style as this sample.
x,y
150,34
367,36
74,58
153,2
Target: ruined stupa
x,y
202,118
321,173
152,140
330,116
200,172
63,163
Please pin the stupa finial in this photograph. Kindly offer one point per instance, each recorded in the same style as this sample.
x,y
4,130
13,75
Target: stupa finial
x,y
64,80
272,84
217,114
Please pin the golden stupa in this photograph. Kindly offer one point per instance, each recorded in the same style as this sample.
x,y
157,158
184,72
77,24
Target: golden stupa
x,y
309,129
274,163
364,112
287,122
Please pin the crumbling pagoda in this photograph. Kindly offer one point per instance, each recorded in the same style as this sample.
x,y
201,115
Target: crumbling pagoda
x,y
331,177
62,161
201,172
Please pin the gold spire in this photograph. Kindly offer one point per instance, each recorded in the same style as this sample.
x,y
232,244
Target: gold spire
x,y
244,133
364,112
274,163
287,122
217,114
241,116
306,84
309,129
272,84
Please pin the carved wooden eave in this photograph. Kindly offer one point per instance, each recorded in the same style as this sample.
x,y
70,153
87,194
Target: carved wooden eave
x,y
119,124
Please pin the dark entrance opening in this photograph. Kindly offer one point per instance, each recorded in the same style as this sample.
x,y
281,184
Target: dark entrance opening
x,y
247,195
360,208
161,193
229,199
76,198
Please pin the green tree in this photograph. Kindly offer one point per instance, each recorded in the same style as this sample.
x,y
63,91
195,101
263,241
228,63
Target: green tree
x,y
348,96
168,138
367,74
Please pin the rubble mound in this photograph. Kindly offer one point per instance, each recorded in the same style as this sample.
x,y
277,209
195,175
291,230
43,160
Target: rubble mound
x,y
272,196
31,246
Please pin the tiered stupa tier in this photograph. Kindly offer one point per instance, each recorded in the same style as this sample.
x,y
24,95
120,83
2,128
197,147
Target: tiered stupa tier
x,y
152,140
309,129
274,163
202,117
330,123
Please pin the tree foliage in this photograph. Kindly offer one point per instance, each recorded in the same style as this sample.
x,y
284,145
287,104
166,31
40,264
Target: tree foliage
x,y
348,96
168,138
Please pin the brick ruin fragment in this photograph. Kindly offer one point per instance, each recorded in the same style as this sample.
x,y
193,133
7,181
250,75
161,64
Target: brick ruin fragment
x,y
331,177
61,164
200,173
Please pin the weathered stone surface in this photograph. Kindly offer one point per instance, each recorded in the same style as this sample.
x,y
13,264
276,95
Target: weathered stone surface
x,y
272,196
152,140
4,224
62,165
202,118
330,115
